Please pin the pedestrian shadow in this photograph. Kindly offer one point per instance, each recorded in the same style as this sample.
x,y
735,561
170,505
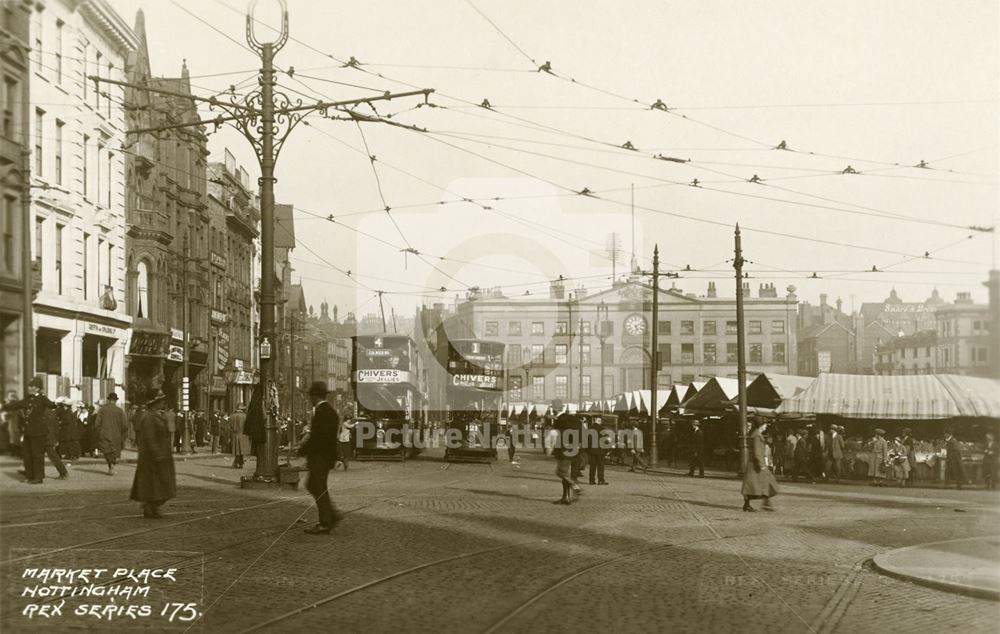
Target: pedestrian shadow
x,y
528,477
725,507
215,480
499,494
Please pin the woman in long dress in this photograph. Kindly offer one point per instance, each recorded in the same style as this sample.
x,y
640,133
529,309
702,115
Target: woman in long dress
x,y
155,480
880,450
758,481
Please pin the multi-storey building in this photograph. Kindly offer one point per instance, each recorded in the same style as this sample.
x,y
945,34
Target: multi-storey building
x,y
168,259
333,342
909,354
963,337
16,332
77,128
553,348
827,340
878,322
235,220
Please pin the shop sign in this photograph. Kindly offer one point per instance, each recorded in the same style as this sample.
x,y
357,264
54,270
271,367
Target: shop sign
x,y
824,360
177,334
244,378
101,329
148,344
217,260
176,354
238,364
218,316
222,353
218,384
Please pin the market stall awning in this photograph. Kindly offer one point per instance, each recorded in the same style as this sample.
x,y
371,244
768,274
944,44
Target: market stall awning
x,y
770,390
717,395
911,397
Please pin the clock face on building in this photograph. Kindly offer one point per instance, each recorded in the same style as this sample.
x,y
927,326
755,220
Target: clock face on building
x,y
635,325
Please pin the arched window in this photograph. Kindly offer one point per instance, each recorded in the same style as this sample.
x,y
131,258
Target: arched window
x,y
142,308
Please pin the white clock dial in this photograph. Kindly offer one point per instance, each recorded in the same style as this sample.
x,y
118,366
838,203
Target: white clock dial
x,y
635,325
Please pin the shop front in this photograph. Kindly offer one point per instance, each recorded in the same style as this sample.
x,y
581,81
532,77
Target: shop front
x,y
147,352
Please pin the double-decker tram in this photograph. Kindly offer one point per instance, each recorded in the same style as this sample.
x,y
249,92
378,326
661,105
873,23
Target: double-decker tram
x,y
385,375
474,393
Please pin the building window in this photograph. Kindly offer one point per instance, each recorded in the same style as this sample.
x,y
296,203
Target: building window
x,y
59,47
39,233
98,181
755,328
560,354
585,354
777,353
562,386
38,40
107,95
538,388
609,384
708,353
731,353
10,107
687,353
84,154
491,329
708,327
663,328
687,327
538,328
86,260
142,308
515,388
584,327
585,388
755,353
730,327
59,152
687,379
39,127
8,227
59,258
777,327
111,254
514,328
97,88
514,356
664,351
111,171
83,80
537,352
561,328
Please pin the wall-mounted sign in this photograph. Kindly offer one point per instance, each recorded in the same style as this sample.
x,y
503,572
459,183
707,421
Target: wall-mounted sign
x,y
244,378
176,354
218,316
148,344
177,334
217,260
382,376
824,360
101,329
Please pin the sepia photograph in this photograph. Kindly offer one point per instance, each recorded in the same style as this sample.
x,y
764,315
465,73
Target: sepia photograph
x,y
499,316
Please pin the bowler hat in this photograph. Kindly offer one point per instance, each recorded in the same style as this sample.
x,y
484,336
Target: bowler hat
x,y
318,388
36,382
112,397
880,431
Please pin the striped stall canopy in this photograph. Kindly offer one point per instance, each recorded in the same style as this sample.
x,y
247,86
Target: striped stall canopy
x,y
911,397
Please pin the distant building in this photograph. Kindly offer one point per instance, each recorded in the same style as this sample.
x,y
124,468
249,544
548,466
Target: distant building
x,y
910,354
827,340
993,284
963,337
879,322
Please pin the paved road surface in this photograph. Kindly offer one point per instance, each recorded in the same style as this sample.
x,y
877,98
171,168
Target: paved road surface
x,y
428,547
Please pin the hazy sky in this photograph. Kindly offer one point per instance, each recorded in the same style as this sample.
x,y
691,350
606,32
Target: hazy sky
x,y
878,87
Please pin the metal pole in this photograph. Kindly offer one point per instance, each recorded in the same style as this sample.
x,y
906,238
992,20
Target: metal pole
x,y
655,356
580,337
186,377
569,352
267,464
741,372
292,379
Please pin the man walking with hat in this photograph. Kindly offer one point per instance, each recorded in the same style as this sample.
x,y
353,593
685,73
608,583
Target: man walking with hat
x,y
111,431
155,480
322,452
37,411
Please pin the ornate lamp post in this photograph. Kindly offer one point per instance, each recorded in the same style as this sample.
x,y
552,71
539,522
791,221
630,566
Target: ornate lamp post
x,y
265,117
604,330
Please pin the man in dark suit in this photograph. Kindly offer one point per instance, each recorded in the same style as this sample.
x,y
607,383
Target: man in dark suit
x,y
953,469
322,452
37,411
835,449
697,450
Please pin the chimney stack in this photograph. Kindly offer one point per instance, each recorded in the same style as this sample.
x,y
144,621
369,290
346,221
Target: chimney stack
x,y
746,290
840,304
711,289
556,289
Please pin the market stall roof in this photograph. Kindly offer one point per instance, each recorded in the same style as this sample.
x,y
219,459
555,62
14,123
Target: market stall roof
x,y
770,390
910,397
693,388
674,397
716,395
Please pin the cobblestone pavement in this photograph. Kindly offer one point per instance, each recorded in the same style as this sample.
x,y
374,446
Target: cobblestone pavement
x,y
430,547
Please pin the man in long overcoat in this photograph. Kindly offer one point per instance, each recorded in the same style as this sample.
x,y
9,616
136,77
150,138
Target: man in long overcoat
x,y
155,481
69,431
112,428
240,441
36,408
321,450
953,468
835,451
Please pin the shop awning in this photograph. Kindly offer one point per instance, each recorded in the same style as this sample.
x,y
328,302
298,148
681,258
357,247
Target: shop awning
x,y
770,390
911,397
717,395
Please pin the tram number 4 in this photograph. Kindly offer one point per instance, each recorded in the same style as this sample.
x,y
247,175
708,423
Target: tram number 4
x,y
180,611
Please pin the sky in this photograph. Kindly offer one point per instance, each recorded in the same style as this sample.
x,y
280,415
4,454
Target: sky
x,y
859,93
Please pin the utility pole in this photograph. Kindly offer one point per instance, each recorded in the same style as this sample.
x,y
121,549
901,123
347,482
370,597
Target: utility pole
x,y
654,356
381,309
185,370
266,117
580,336
741,372
569,351
292,377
